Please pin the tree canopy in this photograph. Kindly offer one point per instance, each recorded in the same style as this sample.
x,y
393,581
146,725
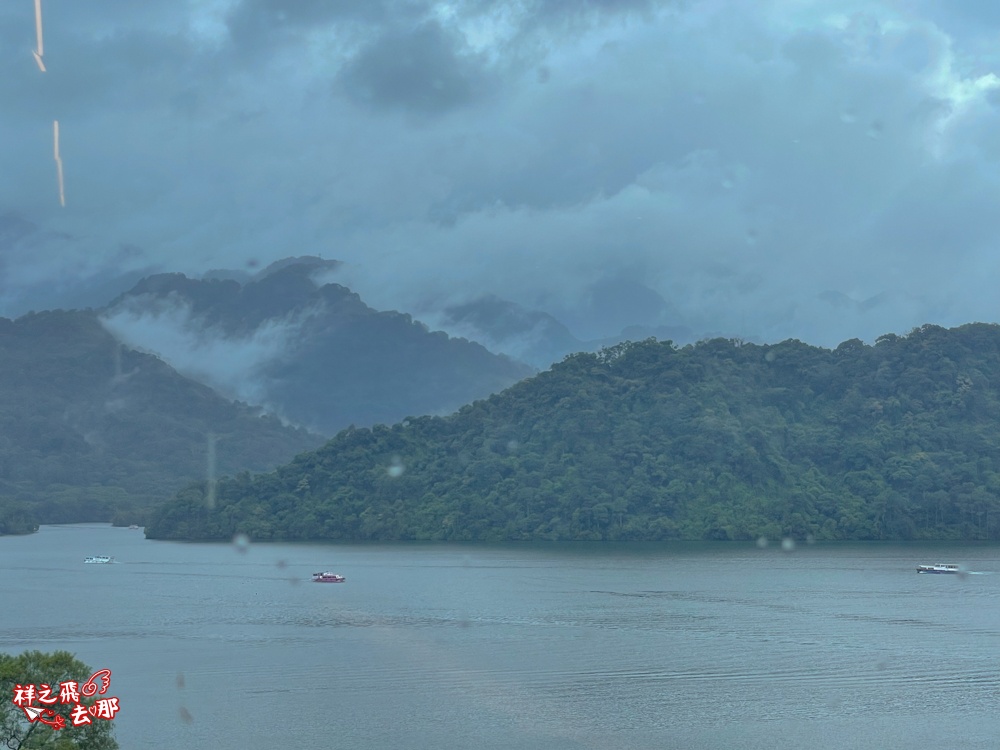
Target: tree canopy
x,y
37,668
648,441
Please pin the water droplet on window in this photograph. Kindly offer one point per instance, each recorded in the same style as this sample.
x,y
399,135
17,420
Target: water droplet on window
x,y
513,445
395,468
876,129
180,680
241,542
728,184
186,716
762,542
751,236
848,117
210,456
788,544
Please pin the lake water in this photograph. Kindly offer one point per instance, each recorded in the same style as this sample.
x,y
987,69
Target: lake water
x,y
518,647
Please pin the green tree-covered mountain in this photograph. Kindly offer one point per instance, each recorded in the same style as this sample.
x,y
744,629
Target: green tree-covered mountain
x,y
89,428
719,440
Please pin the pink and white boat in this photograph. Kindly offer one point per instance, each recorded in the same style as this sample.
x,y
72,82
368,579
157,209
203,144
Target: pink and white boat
x,y
328,578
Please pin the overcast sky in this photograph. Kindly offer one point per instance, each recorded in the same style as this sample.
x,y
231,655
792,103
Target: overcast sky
x,y
815,169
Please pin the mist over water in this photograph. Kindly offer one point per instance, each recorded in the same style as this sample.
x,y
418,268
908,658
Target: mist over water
x,y
518,646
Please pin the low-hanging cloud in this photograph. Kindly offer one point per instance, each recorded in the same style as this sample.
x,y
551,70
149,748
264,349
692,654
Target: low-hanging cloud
x,y
233,365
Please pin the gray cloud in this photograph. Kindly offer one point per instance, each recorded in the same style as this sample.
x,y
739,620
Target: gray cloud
x,y
765,172
423,70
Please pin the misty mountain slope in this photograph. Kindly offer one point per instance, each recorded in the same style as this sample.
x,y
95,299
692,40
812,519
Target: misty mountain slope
x,y
536,337
647,441
504,326
317,355
87,425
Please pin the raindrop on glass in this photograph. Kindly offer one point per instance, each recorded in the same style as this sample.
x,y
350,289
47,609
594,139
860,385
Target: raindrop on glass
x,y
395,468
788,544
210,472
762,542
186,716
848,117
241,542
180,680
876,129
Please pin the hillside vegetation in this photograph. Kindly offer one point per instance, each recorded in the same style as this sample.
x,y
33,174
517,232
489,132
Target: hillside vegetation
x,y
646,441
91,430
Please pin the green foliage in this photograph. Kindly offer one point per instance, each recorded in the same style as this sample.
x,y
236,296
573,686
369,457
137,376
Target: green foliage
x,y
38,668
16,518
91,431
645,441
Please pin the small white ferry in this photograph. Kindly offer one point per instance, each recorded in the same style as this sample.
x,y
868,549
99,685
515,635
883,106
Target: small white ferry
x,y
99,560
328,578
939,568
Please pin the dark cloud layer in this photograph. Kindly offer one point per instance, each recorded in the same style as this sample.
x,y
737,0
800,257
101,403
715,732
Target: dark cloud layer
x,y
423,70
822,170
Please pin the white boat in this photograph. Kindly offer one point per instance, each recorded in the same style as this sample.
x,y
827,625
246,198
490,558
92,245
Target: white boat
x,y
939,568
328,578
99,560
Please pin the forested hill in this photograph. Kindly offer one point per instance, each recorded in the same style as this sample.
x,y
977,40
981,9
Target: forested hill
x,y
720,440
91,430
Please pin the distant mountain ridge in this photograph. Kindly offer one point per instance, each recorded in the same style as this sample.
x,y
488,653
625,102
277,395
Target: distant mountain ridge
x,y
536,337
90,428
316,354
